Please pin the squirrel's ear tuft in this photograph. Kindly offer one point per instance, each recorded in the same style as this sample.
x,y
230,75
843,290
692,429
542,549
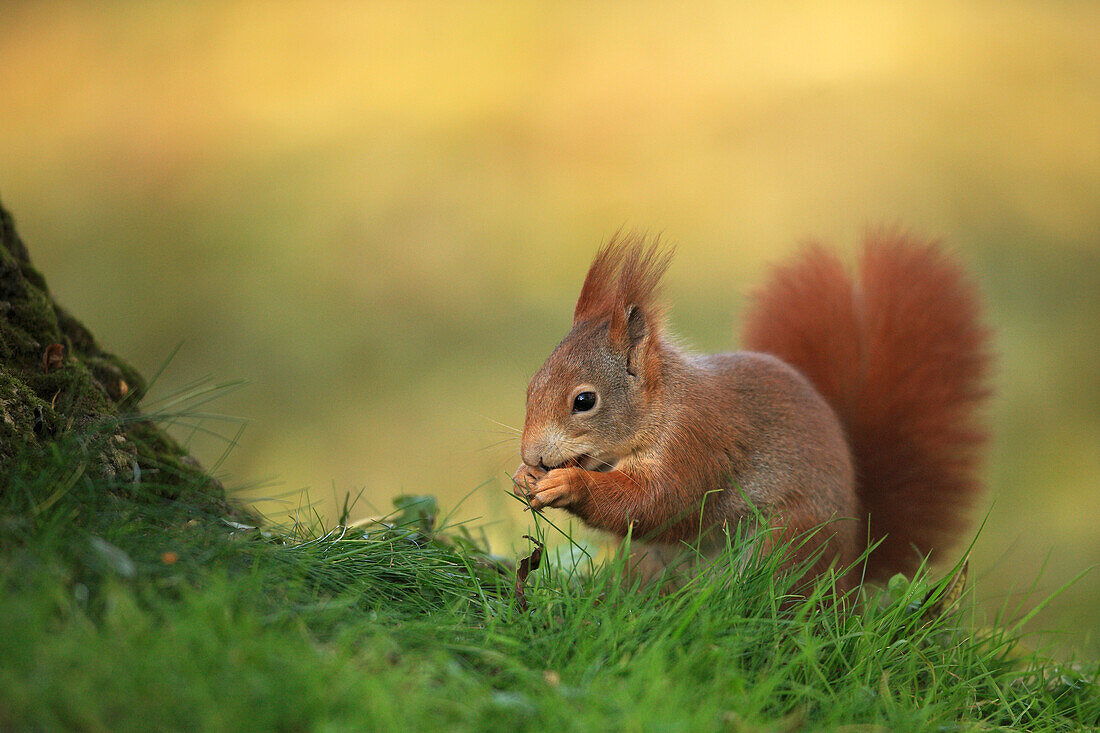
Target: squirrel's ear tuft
x,y
622,285
598,292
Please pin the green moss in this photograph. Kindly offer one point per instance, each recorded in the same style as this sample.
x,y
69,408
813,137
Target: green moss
x,y
18,407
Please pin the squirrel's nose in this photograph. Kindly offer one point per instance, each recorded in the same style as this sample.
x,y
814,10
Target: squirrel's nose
x,y
532,456
537,446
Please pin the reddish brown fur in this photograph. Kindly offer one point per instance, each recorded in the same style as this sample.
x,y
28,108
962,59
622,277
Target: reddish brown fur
x,y
902,358
694,442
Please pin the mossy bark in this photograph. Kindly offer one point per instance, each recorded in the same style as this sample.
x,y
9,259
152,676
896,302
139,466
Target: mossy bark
x,y
57,383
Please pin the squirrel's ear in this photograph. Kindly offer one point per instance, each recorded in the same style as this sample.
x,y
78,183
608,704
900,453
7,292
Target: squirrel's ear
x,y
637,328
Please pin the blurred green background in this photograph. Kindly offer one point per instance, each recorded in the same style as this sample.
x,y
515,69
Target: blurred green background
x,y
380,214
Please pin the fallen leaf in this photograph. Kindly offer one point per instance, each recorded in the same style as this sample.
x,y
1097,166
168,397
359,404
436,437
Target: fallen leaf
x,y
53,357
526,565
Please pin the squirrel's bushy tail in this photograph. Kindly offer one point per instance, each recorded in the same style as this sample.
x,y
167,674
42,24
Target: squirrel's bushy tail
x,y
901,356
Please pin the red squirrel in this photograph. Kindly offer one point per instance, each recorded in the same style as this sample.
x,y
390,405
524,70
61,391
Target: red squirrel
x,y
856,407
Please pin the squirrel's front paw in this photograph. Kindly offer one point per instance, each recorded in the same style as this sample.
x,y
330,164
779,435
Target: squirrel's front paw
x,y
525,479
558,488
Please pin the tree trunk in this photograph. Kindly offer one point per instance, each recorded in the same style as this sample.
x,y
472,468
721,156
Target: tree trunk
x,y
57,384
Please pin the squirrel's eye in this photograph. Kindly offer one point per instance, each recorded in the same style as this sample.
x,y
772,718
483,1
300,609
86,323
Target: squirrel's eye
x,y
584,402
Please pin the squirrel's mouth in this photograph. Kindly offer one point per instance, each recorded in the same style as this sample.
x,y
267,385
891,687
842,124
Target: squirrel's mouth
x,y
588,463
594,463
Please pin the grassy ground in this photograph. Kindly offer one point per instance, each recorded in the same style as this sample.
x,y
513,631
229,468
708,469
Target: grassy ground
x,y
380,214
124,611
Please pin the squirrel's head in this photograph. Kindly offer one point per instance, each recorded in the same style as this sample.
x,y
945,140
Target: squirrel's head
x,y
590,399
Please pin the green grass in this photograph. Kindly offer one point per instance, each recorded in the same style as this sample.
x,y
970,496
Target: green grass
x,y
125,611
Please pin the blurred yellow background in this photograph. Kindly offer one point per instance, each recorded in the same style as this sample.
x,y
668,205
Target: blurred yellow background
x,y
379,214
